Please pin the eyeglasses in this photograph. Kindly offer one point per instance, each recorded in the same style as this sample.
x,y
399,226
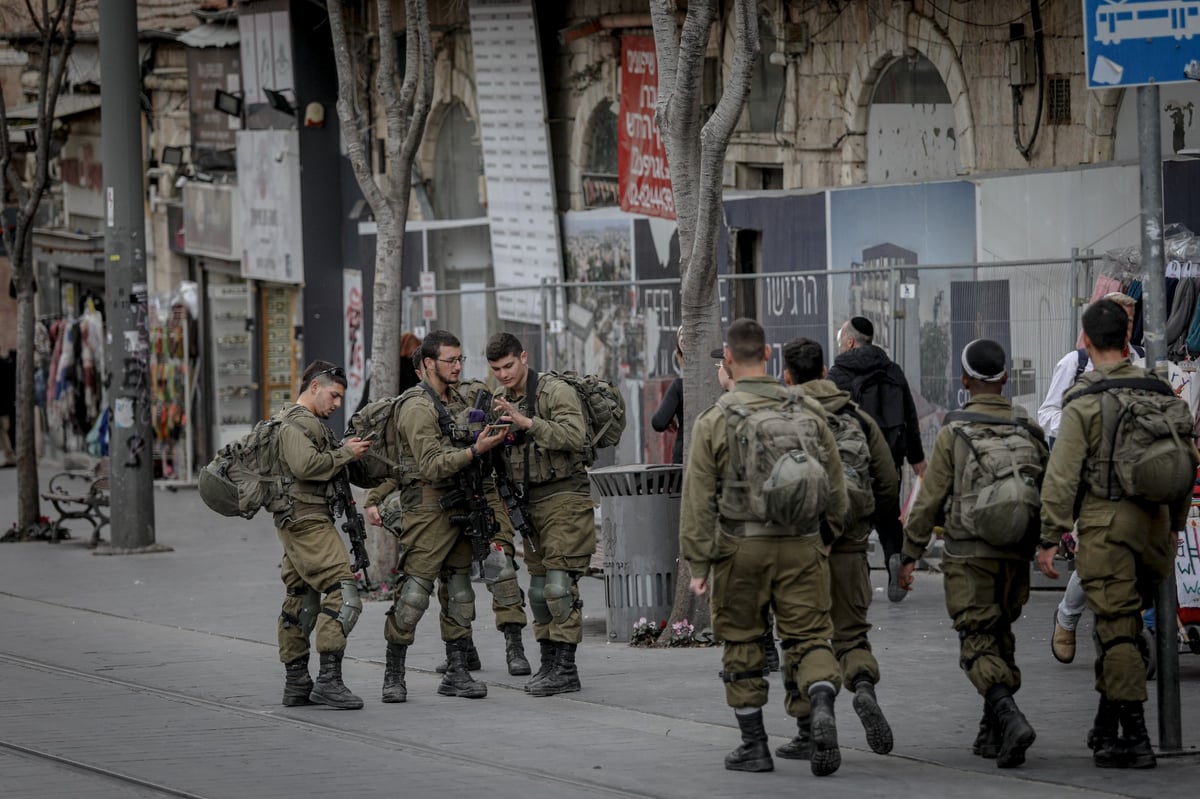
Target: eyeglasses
x,y
459,359
336,371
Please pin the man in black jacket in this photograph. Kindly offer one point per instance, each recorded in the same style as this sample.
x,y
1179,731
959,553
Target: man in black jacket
x,y
878,385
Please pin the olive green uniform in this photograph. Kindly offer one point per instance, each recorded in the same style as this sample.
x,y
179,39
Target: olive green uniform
x,y
750,573
1125,546
314,556
985,586
548,461
850,575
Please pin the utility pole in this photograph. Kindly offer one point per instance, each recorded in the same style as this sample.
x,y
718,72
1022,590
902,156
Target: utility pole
x,y
131,445
1166,609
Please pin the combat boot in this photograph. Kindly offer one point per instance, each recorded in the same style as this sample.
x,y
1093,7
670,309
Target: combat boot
x,y
547,654
297,685
1104,737
329,688
826,757
563,677
394,689
753,754
457,680
1135,740
1016,734
800,747
879,732
514,651
987,741
473,663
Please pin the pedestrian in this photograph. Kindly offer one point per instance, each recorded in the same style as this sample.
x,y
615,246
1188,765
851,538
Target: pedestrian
x,y
1069,369
871,480
988,546
1127,539
545,456
433,546
879,387
315,562
668,417
754,562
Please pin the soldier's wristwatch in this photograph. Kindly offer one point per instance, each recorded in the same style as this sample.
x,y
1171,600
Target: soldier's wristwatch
x,y
474,452
1044,544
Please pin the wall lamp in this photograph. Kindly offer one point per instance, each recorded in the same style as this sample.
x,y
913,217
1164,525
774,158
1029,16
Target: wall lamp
x,y
172,156
279,102
228,102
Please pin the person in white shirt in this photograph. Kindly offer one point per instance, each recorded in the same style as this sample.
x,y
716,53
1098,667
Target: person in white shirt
x,y
1066,372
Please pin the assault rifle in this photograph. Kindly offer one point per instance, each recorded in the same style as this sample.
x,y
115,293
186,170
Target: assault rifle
x,y
353,527
475,517
509,492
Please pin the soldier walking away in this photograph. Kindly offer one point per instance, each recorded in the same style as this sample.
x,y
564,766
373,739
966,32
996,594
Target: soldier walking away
x,y
545,455
879,387
988,461
764,543
1127,494
315,561
871,481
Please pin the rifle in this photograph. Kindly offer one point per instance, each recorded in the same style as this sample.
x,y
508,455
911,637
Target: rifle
x,y
511,495
477,519
353,527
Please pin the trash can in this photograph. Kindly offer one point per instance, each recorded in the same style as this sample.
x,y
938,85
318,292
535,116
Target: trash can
x,y
639,533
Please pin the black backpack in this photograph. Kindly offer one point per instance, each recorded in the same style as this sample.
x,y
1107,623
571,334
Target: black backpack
x,y
882,396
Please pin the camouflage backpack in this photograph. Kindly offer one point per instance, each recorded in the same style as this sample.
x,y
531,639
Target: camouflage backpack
x,y
1146,448
383,460
776,471
997,482
603,408
850,433
245,475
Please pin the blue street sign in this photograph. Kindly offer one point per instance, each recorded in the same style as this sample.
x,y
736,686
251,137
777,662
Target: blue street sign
x,y
1138,42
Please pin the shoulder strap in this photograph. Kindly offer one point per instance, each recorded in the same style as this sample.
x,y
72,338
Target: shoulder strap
x,y
851,409
444,420
984,418
1081,361
1152,384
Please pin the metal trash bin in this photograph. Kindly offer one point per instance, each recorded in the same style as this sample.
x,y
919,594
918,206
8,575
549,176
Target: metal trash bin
x,y
639,529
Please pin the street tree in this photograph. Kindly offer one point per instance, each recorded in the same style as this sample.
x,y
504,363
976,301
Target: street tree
x,y
696,155
405,105
53,25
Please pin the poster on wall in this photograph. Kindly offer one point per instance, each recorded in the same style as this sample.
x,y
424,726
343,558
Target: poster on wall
x,y
1187,563
656,257
643,177
355,360
269,188
601,334
978,309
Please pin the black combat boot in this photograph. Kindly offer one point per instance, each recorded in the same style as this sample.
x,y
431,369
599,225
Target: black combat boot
x,y
457,680
514,651
826,757
329,688
879,732
1135,740
394,689
473,663
1016,734
1104,737
987,742
800,747
297,685
548,650
563,677
753,754
770,652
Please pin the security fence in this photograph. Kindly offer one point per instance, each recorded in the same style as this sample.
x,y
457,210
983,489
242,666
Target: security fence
x,y
923,315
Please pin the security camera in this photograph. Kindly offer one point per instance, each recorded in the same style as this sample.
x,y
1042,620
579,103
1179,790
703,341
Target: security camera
x,y
1192,70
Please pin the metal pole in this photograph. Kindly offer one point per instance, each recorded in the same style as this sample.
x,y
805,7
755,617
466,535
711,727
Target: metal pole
x,y
1170,736
545,307
131,449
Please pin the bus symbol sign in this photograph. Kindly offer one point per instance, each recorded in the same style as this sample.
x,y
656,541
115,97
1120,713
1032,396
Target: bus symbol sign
x,y
1139,42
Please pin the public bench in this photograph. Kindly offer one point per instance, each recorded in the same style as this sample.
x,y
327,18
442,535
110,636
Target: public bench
x,y
80,494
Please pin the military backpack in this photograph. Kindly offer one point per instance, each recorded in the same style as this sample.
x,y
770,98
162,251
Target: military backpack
x,y
850,433
385,459
603,408
998,477
246,476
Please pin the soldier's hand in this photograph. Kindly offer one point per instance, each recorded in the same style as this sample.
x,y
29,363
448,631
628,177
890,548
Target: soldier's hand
x,y
489,439
512,414
373,515
1045,559
905,578
699,585
919,468
358,446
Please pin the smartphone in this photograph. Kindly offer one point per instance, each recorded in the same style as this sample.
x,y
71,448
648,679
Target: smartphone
x,y
500,428
371,436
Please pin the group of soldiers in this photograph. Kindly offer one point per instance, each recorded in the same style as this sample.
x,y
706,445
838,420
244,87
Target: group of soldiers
x,y
536,437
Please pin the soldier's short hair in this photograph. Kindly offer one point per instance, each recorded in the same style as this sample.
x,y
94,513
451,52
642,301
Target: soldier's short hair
x,y
804,359
745,339
431,346
1106,323
503,344
324,373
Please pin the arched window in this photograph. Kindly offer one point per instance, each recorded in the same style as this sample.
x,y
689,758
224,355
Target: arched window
x,y
599,181
910,128
457,167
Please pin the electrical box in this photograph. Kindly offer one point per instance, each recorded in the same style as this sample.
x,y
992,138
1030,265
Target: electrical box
x,y
795,38
1022,65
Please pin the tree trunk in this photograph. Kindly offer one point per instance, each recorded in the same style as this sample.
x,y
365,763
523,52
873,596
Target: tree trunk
x,y
28,503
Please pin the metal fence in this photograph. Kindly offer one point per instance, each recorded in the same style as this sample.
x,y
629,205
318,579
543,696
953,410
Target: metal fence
x,y
923,317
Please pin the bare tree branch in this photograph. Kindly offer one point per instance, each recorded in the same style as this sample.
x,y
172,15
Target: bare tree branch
x,y
347,116
418,10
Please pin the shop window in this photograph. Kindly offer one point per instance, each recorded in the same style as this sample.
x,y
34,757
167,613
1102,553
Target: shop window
x,y
765,103
457,168
599,181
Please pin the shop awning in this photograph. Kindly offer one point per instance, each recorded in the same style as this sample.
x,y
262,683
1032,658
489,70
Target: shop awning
x,y
68,105
211,34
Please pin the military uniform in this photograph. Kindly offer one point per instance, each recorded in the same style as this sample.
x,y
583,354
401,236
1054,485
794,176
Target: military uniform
x,y
751,573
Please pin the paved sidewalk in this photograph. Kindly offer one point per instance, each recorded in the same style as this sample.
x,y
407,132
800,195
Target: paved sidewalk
x,y
164,667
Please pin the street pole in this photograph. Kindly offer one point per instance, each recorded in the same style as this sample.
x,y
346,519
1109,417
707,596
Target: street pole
x,y
131,447
1170,734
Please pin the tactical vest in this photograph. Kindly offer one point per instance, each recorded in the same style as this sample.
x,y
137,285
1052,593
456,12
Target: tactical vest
x,y
307,492
530,463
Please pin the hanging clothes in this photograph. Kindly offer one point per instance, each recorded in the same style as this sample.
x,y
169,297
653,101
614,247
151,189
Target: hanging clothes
x,y
1134,290
1105,284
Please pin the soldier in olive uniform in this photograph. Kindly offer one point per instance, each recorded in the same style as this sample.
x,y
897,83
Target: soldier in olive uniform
x,y
315,561
1126,545
432,545
754,565
545,455
850,575
986,586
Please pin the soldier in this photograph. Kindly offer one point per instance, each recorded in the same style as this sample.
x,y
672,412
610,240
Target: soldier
x,y
754,563
1126,542
432,545
315,561
850,577
986,571
545,455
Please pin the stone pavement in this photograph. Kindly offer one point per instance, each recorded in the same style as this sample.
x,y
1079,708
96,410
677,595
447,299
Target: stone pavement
x,y
156,675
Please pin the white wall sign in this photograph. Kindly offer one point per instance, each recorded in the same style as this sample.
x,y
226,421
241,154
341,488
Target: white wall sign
x,y
516,153
429,302
269,188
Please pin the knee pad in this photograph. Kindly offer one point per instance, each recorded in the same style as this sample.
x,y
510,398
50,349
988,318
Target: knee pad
x,y
351,606
310,606
412,603
460,604
537,599
505,589
559,599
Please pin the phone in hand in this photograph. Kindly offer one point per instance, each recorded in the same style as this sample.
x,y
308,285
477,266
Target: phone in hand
x,y
499,428
371,436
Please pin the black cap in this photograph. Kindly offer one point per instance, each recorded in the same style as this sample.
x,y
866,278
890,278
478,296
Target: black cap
x,y
863,325
718,353
984,359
